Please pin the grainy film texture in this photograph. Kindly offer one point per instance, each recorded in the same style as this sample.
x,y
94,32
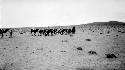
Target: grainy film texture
x,y
94,46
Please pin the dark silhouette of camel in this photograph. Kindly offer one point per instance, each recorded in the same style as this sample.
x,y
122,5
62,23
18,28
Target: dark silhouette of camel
x,y
2,31
34,31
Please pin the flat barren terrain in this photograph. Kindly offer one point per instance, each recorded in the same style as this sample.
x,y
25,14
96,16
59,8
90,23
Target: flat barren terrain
x,y
95,46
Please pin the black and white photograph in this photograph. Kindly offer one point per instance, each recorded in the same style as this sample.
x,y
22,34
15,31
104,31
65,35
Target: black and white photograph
x,y
62,34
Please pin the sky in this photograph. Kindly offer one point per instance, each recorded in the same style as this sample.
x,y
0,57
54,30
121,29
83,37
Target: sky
x,y
43,13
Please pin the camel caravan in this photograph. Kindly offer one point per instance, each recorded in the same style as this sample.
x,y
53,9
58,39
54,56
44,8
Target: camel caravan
x,y
52,32
38,32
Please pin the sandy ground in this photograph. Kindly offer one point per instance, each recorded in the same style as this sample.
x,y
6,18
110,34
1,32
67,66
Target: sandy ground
x,y
60,52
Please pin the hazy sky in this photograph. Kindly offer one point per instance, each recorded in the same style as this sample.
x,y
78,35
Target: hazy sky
x,y
24,13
